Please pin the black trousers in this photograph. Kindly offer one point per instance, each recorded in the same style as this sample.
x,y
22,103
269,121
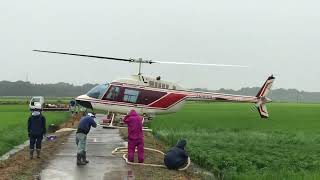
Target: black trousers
x,y
35,140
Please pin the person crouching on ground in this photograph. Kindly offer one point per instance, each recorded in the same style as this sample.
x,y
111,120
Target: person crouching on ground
x,y
36,129
176,157
135,136
85,124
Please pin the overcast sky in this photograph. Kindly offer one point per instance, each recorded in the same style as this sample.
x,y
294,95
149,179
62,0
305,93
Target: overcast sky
x,y
280,37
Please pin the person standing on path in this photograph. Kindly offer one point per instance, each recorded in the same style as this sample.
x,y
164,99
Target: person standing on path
x,y
135,136
85,124
36,129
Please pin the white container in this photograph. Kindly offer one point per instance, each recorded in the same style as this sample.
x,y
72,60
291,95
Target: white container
x,y
35,102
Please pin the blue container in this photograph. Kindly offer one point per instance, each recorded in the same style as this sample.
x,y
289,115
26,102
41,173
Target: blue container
x,y
51,138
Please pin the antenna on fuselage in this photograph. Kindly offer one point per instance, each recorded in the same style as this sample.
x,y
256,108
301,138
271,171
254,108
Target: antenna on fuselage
x,y
140,64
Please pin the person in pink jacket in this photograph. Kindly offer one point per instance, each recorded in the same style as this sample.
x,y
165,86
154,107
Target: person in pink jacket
x,y
135,136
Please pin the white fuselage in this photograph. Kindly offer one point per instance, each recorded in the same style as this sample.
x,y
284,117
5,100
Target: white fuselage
x,y
149,96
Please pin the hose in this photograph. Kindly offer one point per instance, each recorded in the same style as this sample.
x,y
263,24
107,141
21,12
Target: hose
x,y
124,150
122,127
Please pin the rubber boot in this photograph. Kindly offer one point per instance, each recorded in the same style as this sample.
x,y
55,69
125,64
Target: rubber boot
x,y
38,153
79,160
31,154
85,157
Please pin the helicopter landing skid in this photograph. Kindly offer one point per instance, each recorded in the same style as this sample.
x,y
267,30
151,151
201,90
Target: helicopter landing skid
x,y
111,126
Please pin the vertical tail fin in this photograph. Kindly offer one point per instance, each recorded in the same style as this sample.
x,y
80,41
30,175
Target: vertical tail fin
x,y
262,97
265,89
262,109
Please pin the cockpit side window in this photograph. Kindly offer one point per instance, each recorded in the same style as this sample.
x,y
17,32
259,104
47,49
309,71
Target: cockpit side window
x,y
113,93
98,91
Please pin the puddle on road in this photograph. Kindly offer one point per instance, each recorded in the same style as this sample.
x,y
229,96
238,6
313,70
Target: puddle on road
x,y
119,175
51,174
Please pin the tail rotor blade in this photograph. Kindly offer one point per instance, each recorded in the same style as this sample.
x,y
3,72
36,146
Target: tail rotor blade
x,y
253,108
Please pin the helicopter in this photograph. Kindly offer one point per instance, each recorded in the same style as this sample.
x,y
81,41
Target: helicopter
x,y
150,96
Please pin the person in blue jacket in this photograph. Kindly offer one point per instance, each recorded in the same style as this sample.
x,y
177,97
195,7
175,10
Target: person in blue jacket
x,y
85,124
36,130
176,157
72,105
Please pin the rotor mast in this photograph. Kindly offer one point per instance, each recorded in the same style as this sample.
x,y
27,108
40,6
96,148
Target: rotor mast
x,y
140,61
140,64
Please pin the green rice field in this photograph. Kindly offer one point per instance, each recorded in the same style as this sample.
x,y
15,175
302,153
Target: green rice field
x,y
232,142
13,124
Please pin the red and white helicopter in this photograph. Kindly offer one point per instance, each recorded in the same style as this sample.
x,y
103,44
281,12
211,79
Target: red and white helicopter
x,y
151,96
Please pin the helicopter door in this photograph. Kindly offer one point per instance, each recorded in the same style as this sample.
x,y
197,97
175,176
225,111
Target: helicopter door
x,y
131,95
113,93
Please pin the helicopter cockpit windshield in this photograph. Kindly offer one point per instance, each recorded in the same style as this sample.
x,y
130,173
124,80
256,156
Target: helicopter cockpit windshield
x,y
98,91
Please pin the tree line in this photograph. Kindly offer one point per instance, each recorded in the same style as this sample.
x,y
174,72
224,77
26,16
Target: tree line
x,y
22,88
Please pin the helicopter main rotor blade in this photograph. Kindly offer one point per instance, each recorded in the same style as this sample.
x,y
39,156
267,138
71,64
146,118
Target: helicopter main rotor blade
x,y
140,60
198,64
84,55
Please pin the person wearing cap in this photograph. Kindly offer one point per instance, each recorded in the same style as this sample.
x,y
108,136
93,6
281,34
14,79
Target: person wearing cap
x,y
36,129
72,105
176,157
85,124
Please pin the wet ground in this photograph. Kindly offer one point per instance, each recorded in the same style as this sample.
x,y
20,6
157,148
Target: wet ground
x,y
103,165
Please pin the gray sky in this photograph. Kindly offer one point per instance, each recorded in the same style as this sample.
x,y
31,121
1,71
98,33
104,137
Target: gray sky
x,y
279,37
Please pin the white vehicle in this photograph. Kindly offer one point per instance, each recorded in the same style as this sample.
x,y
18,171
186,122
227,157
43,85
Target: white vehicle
x,y
35,101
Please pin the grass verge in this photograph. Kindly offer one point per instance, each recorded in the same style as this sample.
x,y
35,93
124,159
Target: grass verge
x,y
19,167
13,128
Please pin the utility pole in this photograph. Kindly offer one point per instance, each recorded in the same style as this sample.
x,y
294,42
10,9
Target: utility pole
x,y
27,77
298,96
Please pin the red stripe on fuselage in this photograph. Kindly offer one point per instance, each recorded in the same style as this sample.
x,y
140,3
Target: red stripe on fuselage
x,y
168,100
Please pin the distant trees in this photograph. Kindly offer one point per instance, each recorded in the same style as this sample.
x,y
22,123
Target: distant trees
x,y
21,88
